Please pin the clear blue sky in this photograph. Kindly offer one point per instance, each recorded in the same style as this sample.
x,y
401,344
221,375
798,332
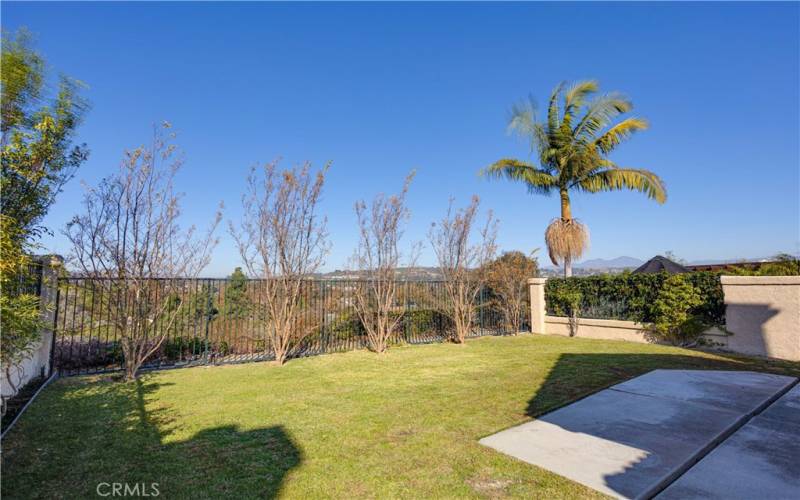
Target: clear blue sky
x,y
379,89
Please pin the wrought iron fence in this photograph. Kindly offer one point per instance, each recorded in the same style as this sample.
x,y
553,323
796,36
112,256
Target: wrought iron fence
x,y
28,281
209,321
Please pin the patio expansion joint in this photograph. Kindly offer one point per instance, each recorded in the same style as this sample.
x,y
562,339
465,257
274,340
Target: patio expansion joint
x,y
718,440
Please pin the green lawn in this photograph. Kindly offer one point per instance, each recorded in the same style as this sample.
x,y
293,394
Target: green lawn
x,y
404,424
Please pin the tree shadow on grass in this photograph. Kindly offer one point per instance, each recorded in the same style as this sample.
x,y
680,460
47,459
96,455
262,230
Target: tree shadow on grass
x,y
118,434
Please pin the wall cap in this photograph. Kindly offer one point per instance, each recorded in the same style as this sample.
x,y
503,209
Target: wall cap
x,y
759,280
608,323
536,281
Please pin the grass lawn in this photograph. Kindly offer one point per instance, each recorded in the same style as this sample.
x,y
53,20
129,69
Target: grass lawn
x,y
404,424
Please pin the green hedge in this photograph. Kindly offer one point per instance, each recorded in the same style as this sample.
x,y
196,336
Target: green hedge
x,y
629,296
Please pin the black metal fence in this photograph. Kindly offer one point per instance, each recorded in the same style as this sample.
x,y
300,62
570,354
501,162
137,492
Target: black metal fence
x,y
209,321
28,281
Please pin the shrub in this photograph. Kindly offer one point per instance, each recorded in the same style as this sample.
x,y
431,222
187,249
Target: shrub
x,y
632,297
92,354
673,320
783,265
568,303
185,347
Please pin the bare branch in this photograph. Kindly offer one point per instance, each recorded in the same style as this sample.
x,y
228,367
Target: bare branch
x,y
377,258
283,240
128,234
461,261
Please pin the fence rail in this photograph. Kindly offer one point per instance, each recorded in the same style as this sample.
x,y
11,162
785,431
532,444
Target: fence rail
x,y
210,321
28,281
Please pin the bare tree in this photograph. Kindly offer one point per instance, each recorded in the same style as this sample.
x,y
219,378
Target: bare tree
x,y
283,240
461,261
507,277
377,258
128,239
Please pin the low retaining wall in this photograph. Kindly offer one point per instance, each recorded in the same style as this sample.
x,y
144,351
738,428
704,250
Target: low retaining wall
x,y
608,329
762,318
38,363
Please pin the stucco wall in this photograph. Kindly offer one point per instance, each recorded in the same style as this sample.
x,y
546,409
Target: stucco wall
x,y
38,363
597,329
763,315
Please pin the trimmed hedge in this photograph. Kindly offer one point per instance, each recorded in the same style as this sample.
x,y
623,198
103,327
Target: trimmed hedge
x,y
629,296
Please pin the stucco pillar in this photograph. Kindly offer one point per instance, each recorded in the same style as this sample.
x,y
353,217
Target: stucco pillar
x,y
51,267
538,308
763,315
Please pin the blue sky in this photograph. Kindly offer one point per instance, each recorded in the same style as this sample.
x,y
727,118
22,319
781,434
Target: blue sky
x,y
379,89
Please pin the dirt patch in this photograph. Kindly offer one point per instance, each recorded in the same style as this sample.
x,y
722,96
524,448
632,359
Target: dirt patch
x,y
492,488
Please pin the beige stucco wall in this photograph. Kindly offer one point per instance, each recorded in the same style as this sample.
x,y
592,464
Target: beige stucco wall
x,y
38,362
762,318
608,329
763,315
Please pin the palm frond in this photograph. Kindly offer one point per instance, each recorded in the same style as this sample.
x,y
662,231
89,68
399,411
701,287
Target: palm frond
x,y
537,180
575,98
618,133
566,238
522,120
552,109
601,111
615,179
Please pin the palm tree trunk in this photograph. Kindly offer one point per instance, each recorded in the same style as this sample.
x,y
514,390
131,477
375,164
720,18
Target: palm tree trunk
x,y
566,215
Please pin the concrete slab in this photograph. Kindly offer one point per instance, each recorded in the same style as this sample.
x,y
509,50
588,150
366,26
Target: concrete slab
x,y
760,460
633,439
786,410
738,391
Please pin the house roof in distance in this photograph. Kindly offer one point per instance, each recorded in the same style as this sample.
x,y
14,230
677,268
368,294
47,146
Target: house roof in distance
x,y
660,264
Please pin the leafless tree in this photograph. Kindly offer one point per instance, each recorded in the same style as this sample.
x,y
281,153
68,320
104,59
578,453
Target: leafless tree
x,y
283,240
128,239
461,261
507,277
381,226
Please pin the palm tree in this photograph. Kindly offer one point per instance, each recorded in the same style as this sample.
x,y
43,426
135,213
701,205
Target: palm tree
x,y
573,145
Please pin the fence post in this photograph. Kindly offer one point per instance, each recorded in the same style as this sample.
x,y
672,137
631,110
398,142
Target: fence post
x,y
48,305
538,307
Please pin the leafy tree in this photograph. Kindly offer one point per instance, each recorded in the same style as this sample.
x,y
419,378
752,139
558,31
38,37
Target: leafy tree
x,y
573,145
38,157
507,279
237,304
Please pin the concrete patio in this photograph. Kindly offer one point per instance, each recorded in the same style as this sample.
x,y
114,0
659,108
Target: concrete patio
x,y
637,438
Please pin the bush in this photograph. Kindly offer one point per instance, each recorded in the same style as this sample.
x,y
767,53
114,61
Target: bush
x,y
673,320
185,347
419,322
632,297
568,303
93,354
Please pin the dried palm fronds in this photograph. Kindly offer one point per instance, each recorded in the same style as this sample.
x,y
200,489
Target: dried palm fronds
x,y
566,239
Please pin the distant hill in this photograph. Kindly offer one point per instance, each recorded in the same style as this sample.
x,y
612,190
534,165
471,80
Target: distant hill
x,y
623,262
403,273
